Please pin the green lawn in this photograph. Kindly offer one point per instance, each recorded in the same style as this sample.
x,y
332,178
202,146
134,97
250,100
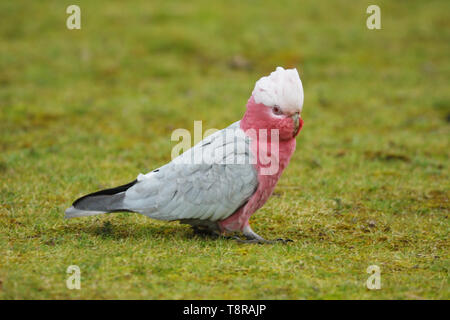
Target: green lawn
x,y
87,109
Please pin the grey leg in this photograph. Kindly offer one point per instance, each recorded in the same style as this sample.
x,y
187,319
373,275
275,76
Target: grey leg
x,y
203,228
209,233
204,232
253,237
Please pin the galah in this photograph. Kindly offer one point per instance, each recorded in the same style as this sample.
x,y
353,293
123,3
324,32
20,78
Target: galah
x,y
219,183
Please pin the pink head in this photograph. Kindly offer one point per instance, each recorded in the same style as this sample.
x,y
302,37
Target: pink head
x,y
276,103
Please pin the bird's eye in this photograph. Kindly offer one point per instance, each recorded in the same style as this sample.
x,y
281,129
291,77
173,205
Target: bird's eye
x,y
277,110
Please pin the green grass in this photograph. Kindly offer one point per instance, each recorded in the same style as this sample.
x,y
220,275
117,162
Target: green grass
x,y
87,109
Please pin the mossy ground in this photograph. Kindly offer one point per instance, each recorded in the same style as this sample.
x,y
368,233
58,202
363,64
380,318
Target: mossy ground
x,y
87,109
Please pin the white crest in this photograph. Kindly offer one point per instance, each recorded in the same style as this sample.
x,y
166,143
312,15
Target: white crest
x,y
283,88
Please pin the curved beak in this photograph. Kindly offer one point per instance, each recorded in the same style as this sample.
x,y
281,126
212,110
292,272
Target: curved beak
x,y
296,118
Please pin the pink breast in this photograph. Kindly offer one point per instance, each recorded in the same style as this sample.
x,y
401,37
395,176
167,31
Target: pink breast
x,y
266,185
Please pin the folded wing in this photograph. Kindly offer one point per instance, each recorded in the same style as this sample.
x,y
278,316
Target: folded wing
x,y
208,182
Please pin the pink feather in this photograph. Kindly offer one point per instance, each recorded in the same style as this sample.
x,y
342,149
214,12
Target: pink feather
x,y
257,117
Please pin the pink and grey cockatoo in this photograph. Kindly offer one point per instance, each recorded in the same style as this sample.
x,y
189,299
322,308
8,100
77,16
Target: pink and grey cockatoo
x,y
233,179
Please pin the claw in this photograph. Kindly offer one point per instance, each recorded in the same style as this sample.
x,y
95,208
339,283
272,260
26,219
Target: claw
x,y
250,235
205,233
253,237
263,241
284,240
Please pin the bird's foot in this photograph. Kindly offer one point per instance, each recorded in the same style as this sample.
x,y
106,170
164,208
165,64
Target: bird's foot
x,y
250,236
205,233
263,241
253,237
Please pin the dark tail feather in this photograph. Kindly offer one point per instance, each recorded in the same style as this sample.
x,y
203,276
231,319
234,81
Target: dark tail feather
x,y
108,200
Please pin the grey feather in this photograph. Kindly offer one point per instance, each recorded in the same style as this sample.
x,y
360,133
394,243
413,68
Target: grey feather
x,y
210,190
102,203
182,190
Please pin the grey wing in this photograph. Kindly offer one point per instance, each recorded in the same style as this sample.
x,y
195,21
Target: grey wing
x,y
211,189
